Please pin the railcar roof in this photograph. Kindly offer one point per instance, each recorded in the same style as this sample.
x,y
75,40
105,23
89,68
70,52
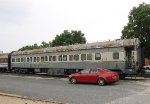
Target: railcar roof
x,y
106,44
3,54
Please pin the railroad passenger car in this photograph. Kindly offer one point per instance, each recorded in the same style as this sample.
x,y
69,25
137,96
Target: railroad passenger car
x,y
4,62
117,54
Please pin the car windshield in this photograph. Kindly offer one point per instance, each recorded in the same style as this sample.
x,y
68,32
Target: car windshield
x,y
107,70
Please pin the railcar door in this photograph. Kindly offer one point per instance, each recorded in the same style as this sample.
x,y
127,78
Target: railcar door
x,y
128,57
134,59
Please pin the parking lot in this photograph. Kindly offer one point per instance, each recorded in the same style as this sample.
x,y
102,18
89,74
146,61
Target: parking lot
x,y
129,91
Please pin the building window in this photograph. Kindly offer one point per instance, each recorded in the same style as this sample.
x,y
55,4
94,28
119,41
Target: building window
x,y
116,55
76,57
70,57
64,57
97,56
83,57
89,56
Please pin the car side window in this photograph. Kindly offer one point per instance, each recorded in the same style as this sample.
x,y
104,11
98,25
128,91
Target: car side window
x,y
85,71
94,71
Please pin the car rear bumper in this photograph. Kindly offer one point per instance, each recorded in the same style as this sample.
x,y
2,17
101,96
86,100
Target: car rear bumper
x,y
115,79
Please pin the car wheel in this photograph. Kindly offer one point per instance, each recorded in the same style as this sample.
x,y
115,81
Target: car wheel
x,y
122,76
101,81
73,80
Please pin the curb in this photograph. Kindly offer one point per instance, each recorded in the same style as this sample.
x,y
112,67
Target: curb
x,y
27,98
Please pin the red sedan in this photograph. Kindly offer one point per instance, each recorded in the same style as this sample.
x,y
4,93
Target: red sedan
x,y
94,75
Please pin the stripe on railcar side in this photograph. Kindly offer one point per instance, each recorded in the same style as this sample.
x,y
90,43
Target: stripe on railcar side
x,y
3,57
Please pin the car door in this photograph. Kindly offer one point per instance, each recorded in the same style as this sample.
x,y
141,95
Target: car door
x,y
83,75
93,75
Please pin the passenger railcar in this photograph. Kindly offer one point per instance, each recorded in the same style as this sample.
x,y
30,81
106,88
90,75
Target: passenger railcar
x,y
4,62
117,54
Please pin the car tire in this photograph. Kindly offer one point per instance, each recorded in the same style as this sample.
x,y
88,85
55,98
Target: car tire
x,y
122,76
73,80
101,82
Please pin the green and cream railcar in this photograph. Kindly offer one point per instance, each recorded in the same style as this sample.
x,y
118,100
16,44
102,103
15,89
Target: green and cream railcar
x,y
118,54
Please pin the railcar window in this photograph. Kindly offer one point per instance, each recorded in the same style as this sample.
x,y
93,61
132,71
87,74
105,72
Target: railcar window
x,y
70,57
76,57
64,57
42,58
21,59
46,58
97,56
18,59
3,60
60,58
34,59
30,59
83,57
89,56
54,58
38,59
116,55
24,59
50,58
6,60
13,59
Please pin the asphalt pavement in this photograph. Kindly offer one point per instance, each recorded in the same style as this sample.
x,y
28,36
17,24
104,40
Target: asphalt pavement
x,y
130,91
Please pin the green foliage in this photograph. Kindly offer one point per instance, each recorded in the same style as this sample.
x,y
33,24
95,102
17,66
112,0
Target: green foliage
x,y
68,38
45,45
35,46
139,25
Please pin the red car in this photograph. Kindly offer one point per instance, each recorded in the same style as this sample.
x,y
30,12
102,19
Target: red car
x,y
94,75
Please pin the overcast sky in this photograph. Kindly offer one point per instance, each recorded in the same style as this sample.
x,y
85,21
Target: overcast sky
x,y
25,22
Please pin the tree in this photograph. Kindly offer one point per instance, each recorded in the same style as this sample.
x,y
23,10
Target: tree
x,y
65,38
139,25
45,45
68,38
29,47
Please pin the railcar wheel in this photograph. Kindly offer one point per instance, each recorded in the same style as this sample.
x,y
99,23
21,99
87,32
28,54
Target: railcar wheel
x,y
101,81
73,80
